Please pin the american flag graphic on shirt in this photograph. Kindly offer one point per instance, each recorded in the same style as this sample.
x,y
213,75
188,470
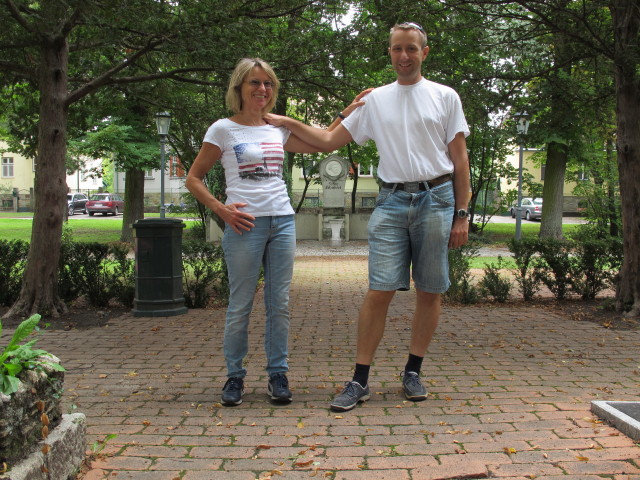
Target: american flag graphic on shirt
x,y
259,160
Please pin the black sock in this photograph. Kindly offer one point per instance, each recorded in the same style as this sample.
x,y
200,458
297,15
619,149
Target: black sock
x,y
361,374
414,364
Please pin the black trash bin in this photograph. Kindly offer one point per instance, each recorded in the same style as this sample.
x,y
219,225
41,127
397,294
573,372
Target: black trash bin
x,y
158,252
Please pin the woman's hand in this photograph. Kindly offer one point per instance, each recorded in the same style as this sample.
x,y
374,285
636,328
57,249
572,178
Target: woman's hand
x,y
357,102
275,120
238,220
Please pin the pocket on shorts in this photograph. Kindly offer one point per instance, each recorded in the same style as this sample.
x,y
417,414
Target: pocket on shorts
x,y
444,196
382,196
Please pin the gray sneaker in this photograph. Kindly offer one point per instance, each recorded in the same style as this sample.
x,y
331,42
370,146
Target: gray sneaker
x,y
352,394
413,388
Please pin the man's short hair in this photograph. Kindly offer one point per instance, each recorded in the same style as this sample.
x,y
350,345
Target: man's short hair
x,y
243,68
411,26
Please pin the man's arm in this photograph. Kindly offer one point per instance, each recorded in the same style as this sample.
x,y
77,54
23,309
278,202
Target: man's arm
x,y
462,189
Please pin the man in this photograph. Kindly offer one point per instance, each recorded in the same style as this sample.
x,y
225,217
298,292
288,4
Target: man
x,y
419,129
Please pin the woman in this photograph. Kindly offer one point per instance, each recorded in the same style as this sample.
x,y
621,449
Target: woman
x,y
260,228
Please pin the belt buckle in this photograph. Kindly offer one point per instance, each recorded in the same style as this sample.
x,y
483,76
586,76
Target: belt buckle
x,y
412,187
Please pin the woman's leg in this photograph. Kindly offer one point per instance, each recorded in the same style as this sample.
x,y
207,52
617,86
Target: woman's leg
x,y
278,270
243,255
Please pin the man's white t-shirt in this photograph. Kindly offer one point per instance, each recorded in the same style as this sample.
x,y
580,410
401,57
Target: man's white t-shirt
x,y
412,126
253,159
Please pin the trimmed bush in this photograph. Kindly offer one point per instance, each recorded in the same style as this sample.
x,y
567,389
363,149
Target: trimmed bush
x,y
13,259
204,272
524,252
462,289
494,283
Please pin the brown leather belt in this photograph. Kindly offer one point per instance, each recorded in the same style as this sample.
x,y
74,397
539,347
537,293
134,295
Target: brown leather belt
x,y
412,187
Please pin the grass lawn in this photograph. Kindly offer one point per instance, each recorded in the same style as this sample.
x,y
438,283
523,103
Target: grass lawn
x,y
501,233
99,229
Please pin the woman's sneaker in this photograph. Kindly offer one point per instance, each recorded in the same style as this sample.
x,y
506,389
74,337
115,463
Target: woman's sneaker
x,y
352,394
413,388
232,391
278,388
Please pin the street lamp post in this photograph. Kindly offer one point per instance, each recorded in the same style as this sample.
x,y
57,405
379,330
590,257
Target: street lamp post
x,y
163,121
523,127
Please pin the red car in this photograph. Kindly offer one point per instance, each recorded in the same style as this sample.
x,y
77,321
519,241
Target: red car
x,y
105,203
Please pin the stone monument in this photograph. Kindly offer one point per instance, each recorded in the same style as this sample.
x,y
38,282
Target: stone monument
x,y
333,173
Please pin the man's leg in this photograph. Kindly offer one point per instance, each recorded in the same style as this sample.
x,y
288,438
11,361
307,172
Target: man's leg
x,y
425,321
371,322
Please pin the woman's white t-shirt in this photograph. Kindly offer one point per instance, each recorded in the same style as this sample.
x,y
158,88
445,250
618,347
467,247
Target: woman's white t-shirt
x,y
253,161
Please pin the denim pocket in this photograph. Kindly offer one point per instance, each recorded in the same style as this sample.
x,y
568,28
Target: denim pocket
x,y
382,196
444,195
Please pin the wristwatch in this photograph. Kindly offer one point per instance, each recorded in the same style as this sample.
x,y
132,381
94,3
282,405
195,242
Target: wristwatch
x,y
462,213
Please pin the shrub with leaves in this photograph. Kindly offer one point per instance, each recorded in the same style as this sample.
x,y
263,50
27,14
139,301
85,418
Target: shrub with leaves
x,y
204,273
13,258
524,252
594,265
17,357
553,266
461,288
494,283
124,274
69,279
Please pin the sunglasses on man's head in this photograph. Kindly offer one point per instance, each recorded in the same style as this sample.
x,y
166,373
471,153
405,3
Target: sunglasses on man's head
x,y
412,25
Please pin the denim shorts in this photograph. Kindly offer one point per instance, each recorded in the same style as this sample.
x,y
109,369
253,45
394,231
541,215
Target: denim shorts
x,y
409,234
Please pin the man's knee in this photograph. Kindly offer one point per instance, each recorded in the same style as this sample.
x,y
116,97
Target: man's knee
x,y
379,297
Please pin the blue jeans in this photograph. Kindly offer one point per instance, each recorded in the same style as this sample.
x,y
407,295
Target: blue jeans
x,y
272,245
410,231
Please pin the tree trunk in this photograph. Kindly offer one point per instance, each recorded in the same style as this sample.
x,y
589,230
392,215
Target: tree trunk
x,y
133,203
626,27
39,292
553,191
557,154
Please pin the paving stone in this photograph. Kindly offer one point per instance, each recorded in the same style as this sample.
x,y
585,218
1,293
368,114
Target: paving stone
x,y
509,384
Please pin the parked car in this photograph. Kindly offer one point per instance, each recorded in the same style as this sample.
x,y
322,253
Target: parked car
x,y
105,203
76,202
531,208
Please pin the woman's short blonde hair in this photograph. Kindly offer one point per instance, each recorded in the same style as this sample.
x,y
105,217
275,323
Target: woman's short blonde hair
x,y
244,66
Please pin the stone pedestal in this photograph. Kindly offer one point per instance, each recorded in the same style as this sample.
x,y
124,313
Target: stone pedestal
x,y
333,172
20,413
66,444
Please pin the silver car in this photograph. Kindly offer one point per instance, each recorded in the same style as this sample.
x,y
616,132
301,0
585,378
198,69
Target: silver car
x,y
531,209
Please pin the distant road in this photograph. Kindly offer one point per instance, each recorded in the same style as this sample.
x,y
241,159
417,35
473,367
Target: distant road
x,y
508,219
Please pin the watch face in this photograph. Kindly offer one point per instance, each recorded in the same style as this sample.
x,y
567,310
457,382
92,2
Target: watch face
x,y
333,168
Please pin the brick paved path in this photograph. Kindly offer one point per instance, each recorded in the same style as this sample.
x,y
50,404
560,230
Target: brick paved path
x,y
511,390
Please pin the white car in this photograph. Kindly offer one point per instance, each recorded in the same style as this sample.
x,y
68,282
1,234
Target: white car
x,y
531,209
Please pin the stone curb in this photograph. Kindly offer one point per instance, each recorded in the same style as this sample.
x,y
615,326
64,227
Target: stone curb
x,y
67,442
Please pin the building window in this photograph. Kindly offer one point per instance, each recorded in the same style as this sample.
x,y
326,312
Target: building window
x,y
148,174
368,202
582,174
309,169
542,169
7,167
311,202
175,167
371,171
